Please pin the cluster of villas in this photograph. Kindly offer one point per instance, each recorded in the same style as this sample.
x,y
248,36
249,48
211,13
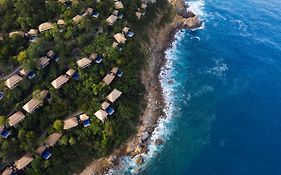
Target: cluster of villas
x,y
106,107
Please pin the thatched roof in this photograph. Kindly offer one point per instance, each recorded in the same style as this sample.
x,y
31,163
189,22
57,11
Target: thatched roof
x,y
77,19
138,14
31,105
23,161
111,19
24,72
84,62
43,62
33,32
118,5
108,79
114,70
16,118
50,53
120,38
53,139
13,81
45,26
40,150
143,5
7,171
125,29
114,44
83,117
114,95
70,123
105,105
19,33
93,56
58,82
61,22
101,114
70,72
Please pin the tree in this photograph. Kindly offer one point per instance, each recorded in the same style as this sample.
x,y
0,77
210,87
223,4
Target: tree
x,y
58,125
3,120
72,140
21,56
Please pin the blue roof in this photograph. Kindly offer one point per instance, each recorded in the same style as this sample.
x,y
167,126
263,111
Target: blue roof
x,y
86,123
98,59
130,34
119,73
76,76
46,154
5,134
110,111
1,95
95,14
31,75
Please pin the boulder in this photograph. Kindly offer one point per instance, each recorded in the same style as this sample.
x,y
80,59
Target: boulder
x,y
139,160
145,136
158,142
188,14
192,23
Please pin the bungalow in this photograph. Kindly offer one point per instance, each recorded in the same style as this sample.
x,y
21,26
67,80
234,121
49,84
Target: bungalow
x,y
16,118
34,103
27,73
45,26
108,79
120,38
43,152
52,139
118,5
61,22
33,34
111,19
95,57
77,19
89,11
16,33
106,107
101,115
114,95
23,161
117,72
115,12
70,123
58,82
125,30
51,54
85,119
8,171
43,62
70,73
84,62
143,5
13,81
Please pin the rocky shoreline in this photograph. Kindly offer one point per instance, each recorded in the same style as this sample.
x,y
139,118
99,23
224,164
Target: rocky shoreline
x,y
159,42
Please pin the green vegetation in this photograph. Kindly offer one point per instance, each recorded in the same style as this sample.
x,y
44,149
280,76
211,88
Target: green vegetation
x,y
79,145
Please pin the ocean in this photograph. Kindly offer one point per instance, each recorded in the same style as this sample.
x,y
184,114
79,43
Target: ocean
x,y
224,105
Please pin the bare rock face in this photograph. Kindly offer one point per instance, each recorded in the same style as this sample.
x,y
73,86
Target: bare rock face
x,y
158,142
188,14
139,160
192,23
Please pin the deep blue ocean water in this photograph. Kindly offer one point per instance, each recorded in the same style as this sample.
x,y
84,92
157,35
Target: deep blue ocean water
x,y
226,95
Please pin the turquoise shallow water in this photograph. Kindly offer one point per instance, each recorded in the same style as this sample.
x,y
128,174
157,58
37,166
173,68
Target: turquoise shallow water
x,y
225,111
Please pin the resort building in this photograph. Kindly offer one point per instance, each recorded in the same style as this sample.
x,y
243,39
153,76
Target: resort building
x,y
61,22
114,95
16,118
23,161
120,38
57,83
84,62
51,54
101,115
114,45
143,5
118,5
125,30
13,81
106,107
70,123
8,171
27,73
77,19
70,72
16,33
108,79
116,71
43,62
85,119
45,26
111,19
34,103
52,139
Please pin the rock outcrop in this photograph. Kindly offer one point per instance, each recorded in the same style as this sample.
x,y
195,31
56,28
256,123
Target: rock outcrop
x,y
192,23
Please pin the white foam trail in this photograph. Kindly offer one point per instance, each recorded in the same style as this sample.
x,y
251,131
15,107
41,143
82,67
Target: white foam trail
x,y
197,7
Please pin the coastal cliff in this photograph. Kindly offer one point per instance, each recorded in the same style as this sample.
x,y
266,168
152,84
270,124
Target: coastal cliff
x,y
160,33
